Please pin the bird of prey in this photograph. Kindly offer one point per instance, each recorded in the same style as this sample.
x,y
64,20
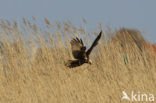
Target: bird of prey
x,y
79,52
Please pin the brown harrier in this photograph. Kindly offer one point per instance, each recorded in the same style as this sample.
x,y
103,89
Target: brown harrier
x,y
79,52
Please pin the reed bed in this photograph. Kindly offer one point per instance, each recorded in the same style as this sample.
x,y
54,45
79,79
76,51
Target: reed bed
x,y
32,66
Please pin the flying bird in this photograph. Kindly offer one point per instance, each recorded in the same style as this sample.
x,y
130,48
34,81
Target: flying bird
x,y
79,52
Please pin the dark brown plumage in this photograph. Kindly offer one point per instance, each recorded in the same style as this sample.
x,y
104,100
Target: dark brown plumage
x,y
79,52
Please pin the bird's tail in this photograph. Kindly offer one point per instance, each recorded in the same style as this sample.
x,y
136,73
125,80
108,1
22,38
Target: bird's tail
x,y
72,63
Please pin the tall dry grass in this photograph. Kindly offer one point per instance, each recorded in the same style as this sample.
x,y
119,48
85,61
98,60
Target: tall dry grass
x,y
32,66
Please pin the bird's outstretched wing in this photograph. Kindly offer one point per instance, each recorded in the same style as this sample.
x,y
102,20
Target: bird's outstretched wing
x,y
94,44
78,48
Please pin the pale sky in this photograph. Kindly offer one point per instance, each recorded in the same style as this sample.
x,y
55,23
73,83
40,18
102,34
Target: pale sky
x,y
139,14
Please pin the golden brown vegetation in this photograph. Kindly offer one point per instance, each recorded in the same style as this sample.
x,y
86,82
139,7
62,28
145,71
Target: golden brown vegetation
x,y
32,66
